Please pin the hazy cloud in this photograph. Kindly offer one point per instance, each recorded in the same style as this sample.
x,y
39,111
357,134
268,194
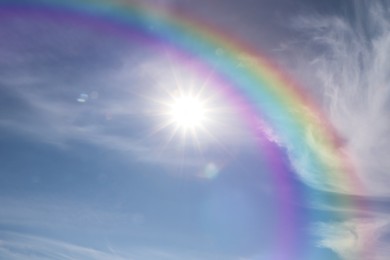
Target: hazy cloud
x,y
15,246
343,60
72,87
357,238
346,65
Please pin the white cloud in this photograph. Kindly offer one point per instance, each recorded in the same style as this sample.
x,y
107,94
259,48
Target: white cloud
x,y
346,64
356,239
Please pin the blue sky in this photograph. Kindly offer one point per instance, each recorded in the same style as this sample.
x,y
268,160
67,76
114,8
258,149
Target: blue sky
x,y
92,166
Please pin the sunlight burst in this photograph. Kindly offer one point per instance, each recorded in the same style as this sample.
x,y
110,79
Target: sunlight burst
x,y
187,112
186,106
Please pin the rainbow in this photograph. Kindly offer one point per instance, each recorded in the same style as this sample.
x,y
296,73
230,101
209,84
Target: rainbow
x,y
268,98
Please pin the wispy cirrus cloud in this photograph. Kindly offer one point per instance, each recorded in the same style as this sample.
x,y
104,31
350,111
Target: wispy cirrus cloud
x,y
72,87
48,228
345,64
15,246
127,116
357,238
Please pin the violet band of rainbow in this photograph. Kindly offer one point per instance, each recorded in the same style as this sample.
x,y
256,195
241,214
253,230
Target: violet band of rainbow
x,y
258,88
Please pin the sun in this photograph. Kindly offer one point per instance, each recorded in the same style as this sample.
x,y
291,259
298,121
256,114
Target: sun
x,y
185,108
187,112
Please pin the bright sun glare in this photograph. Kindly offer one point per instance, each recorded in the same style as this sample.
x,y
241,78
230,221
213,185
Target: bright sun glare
x,y
186,108
187,112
